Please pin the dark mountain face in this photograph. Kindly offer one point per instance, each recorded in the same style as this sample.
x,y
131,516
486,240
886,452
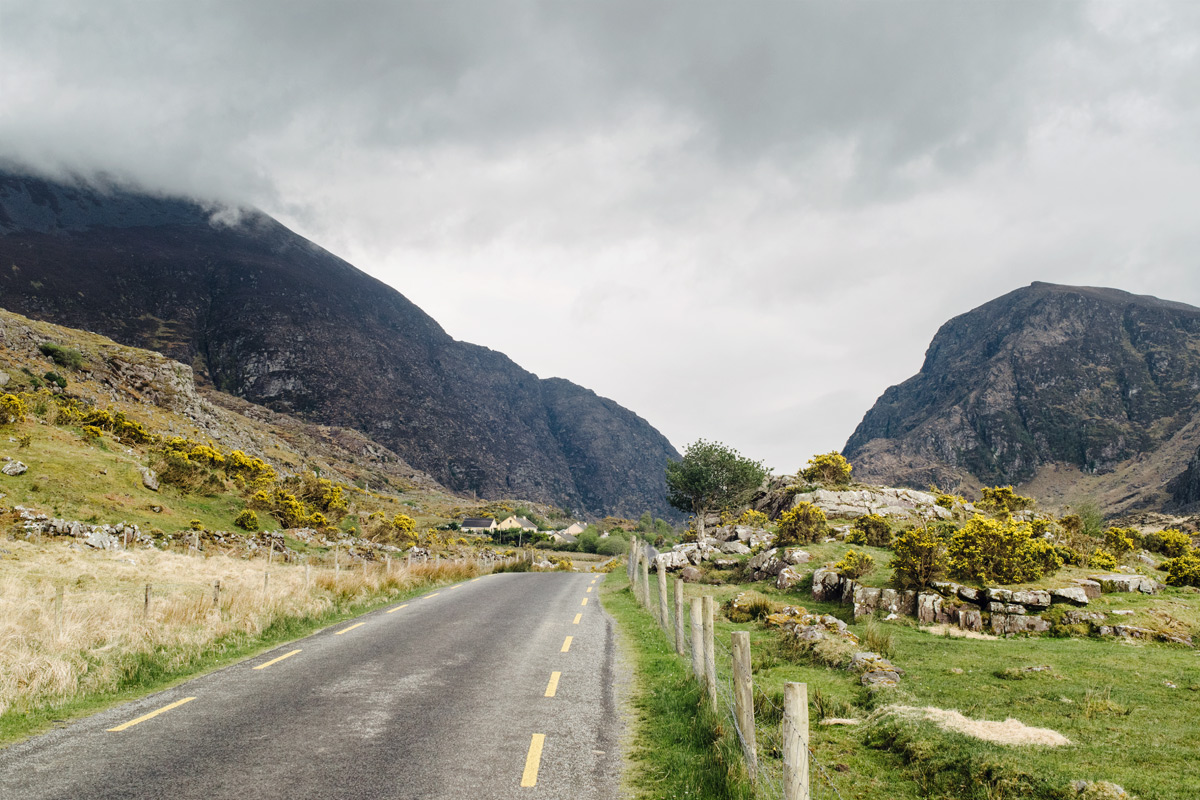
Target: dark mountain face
x,y
271,317
1079,376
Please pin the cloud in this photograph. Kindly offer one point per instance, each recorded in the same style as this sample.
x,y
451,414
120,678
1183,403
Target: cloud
x,y
744,221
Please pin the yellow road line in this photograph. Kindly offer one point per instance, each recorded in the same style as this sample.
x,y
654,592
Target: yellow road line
x,y
352,627
475,579
584,603
589,589
458,586
533,760
277,660
577,618
566,644
397,608
152,714
552,686
426,597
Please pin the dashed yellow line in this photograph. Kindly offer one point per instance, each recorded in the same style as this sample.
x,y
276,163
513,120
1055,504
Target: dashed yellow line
x,y
566,644
552,686
456,586
426,597
584,603
352,627
277,660
577,618
589,589
533,761
473,580
162,710
397,608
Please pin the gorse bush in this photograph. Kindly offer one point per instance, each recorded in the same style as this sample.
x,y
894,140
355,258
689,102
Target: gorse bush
x,y
753,519
831,468
1183,570
919,559
1120,541
12,409
872,530
855,564
1102,559
803,524
247,520
1170,542
1002,499
999,551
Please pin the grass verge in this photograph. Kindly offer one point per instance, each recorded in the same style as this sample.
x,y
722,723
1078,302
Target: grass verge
x,y
680,746
101,650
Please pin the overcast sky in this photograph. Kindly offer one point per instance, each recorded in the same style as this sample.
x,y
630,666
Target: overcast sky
x,y
743,221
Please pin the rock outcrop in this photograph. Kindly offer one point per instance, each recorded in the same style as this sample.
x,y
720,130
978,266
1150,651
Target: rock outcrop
x,y
1047,375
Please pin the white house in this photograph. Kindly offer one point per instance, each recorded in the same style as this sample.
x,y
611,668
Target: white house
x,y
478,525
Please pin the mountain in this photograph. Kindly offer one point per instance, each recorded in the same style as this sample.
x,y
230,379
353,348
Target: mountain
x,y
1079,392
268,316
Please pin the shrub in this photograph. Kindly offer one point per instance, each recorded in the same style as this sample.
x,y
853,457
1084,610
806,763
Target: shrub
x,y
1120,541
196,525
63,356
1184,570
872,530
1171,543
753,519
324,496
11,409
612,546
855,564
998,551
247,520
56,379
919,560
250,469
830,468
1102,559
801,525
92,433
1002,499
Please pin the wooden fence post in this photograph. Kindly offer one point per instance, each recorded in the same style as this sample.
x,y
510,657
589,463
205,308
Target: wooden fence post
x,y
631,560
307,575
337,566
710,655
795,742
664,614
645,573
216,594
266,580
680,638
58,603
146,604
698,639
743,695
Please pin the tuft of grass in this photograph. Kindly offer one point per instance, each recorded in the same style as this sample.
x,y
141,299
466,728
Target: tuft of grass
x,y
879,638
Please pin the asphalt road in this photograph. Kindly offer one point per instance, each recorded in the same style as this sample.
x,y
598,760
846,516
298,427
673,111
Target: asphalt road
x,y
448,696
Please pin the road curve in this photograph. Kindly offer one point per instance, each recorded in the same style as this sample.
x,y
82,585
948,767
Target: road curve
x,y
450,696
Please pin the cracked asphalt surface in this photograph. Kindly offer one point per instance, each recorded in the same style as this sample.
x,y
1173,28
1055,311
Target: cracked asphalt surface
x,y
439,699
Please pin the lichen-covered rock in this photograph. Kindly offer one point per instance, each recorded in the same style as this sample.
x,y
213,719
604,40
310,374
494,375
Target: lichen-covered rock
x,y
1127,583
929,607
787,579
1069,594
14,468
1034,598
734,548
690,574
827,584
794,555
1007,624
886,502
1099,790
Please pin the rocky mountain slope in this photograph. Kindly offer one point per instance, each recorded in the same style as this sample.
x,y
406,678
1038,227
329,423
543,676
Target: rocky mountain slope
x,y
1075,392
268,316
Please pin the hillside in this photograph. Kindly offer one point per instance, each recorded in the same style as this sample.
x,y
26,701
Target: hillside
x,y
1073,392
268,316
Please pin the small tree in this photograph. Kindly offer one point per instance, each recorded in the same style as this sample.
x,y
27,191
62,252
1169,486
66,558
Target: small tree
x,y
831,468
711,476
855,564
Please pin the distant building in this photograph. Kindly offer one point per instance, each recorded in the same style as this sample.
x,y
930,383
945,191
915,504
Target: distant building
x,y
512,523
575,528
562,537
478,525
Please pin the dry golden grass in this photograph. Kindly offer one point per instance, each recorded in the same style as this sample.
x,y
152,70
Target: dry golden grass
x,y
1010,731
105,639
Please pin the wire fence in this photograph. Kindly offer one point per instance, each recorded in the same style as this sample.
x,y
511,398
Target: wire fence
x,y
774,778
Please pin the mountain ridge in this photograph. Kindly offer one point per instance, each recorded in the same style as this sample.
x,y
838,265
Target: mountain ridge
x,y
1044,377
268,316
